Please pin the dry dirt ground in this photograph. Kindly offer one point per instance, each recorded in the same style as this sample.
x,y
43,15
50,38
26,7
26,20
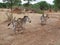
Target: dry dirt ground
x,y
34,34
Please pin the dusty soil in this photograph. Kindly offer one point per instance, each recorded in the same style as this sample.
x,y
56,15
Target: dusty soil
x,y
34,34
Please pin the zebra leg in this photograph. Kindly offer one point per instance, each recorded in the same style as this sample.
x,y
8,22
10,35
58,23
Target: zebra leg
x,y
14,29
43,23
18,30
22,29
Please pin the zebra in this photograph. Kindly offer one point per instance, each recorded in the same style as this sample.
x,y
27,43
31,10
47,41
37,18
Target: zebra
x,y
43,19
24,20
18,24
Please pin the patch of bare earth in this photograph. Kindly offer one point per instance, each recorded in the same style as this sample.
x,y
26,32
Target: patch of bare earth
x,y
34,34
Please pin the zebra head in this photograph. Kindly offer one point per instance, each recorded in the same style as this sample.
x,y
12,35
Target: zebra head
x,y
27,19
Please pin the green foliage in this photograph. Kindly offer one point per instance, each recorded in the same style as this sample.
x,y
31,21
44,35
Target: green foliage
x,y
28,3
13,2
43,5
4,5
38,7
57,4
